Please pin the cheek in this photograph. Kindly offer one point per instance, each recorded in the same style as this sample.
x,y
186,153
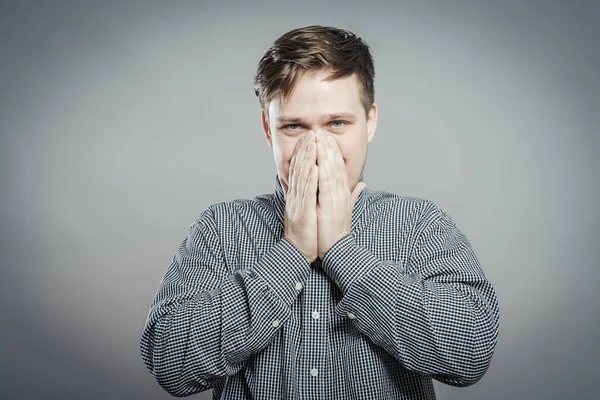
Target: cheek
x,y
285,151
352,152
347,150
283,148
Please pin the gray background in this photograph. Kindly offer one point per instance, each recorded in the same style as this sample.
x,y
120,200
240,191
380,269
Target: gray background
x,y
121,121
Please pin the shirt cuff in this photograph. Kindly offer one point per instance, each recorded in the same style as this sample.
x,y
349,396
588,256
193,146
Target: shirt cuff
x,y
282,268
346,262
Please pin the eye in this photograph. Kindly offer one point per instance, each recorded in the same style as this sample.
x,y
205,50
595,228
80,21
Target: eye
x,y
291,127
338,124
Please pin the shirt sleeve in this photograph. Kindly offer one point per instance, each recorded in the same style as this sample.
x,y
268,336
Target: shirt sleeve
x,y
438,315
208,318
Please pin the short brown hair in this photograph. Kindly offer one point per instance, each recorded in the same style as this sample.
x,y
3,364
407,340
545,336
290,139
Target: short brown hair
x,y
312,48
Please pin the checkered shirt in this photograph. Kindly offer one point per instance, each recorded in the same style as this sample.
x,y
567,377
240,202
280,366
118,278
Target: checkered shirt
x,y
398,303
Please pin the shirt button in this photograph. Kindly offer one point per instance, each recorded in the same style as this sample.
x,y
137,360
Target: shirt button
x,y
351,316
298,286
275,323
314,372
315,314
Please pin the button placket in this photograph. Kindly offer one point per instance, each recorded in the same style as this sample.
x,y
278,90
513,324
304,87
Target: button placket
x,y
316,336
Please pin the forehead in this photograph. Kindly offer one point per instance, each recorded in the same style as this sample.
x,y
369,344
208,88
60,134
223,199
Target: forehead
x,y
313,94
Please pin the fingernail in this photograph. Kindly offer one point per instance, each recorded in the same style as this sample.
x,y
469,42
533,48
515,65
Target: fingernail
x,y
320,134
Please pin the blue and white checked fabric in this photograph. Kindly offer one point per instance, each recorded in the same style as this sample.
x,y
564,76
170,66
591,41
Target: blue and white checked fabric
x,y
399,302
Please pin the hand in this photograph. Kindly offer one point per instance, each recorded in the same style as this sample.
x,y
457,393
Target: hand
x,y
336,202
300,219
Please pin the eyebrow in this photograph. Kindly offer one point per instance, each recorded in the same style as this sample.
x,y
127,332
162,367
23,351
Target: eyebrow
x,y
335,116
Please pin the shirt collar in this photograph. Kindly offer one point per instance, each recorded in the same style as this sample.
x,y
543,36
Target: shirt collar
x,y
359,206
279,199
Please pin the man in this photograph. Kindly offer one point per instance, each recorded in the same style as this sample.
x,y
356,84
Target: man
x,y
324,289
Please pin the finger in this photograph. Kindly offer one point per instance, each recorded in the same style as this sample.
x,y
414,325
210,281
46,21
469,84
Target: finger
x,y
309,196
325,172
336,170
299,150
312,148
335,153
293,163
338,165
356,192
301,171
295,153
304,166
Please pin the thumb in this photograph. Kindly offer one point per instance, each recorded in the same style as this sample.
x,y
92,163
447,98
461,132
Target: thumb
x,y
356,192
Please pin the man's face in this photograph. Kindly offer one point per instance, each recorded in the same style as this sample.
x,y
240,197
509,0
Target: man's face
x,y
334,108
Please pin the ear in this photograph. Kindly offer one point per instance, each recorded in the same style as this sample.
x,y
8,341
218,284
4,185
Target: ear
x,y
371,123
265,124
